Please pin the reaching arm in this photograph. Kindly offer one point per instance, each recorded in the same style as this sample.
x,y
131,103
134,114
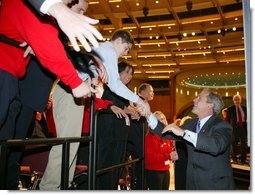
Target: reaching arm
x,y
74,25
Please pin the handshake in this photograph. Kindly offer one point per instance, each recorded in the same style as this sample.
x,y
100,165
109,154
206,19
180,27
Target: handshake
x,y
143,108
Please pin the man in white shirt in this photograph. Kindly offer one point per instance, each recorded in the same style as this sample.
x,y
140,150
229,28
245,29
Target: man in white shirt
x,y
208,144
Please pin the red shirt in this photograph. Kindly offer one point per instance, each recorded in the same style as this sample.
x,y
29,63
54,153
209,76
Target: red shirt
x,y
17,21
99,103
157,152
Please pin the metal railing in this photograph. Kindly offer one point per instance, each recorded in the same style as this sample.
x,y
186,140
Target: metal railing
x,y
94,154
65,141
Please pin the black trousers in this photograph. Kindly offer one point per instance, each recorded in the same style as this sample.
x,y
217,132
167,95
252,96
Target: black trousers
x,y
157,180
112,140
239,134
9,104
180,166
32,92
135,148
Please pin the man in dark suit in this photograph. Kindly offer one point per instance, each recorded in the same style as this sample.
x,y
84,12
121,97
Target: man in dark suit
x,y
236,116
208,140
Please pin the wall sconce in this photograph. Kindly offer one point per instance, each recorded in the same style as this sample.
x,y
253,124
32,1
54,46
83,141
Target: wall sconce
x,y
138,40
189,5
222,32
145,11
179,36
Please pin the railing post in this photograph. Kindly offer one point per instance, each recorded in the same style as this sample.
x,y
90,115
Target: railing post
x,y
3,158
91,168
65,165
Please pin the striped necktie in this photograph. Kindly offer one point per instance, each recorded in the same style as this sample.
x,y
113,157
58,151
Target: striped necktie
x,y
198,126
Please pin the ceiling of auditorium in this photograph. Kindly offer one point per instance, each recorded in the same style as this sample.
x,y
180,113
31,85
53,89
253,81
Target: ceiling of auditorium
x,y
201,38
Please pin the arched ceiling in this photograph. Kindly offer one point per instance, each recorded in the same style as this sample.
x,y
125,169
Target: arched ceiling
x,y
171,39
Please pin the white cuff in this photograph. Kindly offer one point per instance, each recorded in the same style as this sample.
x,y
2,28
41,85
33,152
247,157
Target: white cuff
x,y
152,121
83,76
190,137
46,5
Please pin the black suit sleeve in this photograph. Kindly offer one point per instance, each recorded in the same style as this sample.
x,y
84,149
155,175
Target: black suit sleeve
x,y
36,4
168,135
116,100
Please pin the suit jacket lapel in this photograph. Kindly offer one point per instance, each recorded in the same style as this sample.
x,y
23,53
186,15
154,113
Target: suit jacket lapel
x,y
207,124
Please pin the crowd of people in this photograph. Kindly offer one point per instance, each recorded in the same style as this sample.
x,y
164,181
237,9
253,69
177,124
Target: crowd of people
x,y
201,146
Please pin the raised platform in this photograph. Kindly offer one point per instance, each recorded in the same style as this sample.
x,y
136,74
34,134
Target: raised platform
x,y
242,176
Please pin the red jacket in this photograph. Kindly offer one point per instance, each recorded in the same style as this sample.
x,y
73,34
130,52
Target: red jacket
x,y
17,21
157,152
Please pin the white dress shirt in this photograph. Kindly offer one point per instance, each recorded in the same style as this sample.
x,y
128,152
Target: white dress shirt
x,y
190,136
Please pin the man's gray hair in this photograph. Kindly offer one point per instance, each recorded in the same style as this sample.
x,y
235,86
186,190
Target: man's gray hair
x,y
216,100
237,95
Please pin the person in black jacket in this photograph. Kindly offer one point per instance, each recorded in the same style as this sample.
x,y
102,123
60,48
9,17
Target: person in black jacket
x,y
208,140
236,116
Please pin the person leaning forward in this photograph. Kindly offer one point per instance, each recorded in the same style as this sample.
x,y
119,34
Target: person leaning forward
x,y
208,165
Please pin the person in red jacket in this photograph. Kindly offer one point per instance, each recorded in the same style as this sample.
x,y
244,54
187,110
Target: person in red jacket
x,y
158,154
18,22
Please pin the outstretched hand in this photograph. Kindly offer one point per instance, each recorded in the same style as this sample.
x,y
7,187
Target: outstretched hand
x,y
173,128
143,108
76,26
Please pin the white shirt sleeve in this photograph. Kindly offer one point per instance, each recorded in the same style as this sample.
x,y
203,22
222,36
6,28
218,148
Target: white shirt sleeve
x,y
46,5
110,60
190,137
152,121
83,76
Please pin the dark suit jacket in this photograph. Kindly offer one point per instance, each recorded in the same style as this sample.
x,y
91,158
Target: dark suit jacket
x,y
209,165
36,4
231,115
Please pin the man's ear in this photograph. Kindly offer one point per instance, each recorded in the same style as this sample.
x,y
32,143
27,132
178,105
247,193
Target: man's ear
x,y
210,105
118,40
